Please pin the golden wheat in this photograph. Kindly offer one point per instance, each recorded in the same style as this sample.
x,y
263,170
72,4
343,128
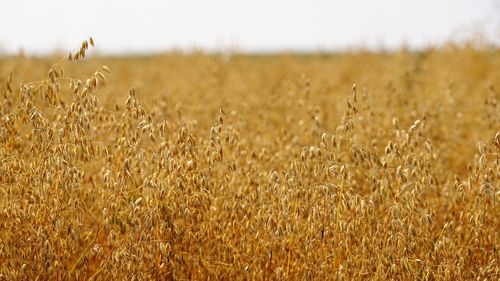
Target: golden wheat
x,y
176,167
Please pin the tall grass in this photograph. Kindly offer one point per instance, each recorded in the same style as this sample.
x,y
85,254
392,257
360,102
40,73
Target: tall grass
x,y
200,167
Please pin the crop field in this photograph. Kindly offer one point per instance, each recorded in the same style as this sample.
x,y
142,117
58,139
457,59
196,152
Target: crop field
x,y
175,166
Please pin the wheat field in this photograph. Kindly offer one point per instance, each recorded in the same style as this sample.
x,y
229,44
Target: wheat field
x,y
349,166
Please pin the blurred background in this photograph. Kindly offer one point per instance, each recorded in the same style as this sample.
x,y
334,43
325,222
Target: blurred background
x,y
121,27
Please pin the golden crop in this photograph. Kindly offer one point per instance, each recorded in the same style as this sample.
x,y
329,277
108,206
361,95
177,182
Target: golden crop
x,y
175,166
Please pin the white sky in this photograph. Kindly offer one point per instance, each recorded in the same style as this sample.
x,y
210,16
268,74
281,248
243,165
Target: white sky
x,y
254,25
